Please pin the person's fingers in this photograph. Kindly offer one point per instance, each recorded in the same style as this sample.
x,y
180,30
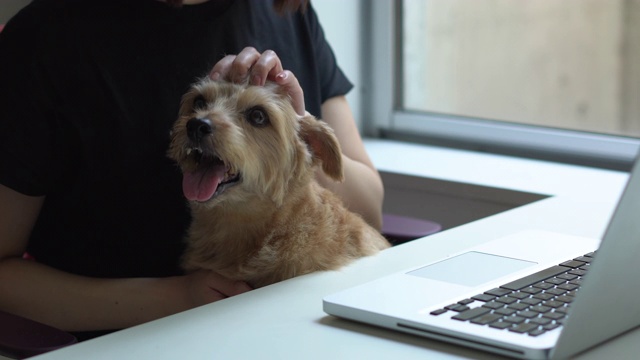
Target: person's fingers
x,y
249,62
221,69
266,67
242,64
205,286
289,81
235,68
260,67
226,287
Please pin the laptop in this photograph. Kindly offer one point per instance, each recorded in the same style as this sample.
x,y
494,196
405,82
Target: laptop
x,y
533,294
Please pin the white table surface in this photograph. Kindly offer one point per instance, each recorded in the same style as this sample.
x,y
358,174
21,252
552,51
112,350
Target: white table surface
x,y
286,321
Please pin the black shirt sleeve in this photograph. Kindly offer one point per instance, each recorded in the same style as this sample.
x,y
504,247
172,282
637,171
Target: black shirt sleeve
x,y
33,147
333,82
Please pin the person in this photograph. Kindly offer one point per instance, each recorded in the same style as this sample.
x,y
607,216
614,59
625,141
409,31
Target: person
x,y
90,90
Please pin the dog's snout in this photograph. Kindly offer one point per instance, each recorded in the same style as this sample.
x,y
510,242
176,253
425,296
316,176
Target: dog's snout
x,y
198,128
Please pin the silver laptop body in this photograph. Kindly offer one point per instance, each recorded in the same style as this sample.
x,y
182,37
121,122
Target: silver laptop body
x,y
406,301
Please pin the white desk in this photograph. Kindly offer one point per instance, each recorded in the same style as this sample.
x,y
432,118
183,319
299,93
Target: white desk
x,y
286,321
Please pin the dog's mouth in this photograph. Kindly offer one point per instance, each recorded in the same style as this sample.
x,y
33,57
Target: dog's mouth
x,y
210,177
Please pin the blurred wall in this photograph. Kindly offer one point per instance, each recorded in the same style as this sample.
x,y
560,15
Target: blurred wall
x,y
9,7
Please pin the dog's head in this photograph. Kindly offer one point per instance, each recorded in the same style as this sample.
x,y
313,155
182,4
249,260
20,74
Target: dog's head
x,y
235,142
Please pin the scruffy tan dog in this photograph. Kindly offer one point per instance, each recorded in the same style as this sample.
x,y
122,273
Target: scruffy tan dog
x,y
248,162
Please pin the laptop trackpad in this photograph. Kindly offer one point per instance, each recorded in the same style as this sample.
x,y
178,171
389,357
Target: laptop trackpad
x,y
472,268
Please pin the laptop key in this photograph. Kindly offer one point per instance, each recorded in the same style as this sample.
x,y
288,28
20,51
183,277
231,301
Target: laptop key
x,y
483,297
537,332
465,301
553,303
438,312
457,307
471,313
540,308
551,326
531,290
524,328
556,291
500,325
531,301
544,296
564,299
554,315
541,321
534,278
493,305
578,272
518,306
498,292
486,319
543,285
506,300
528,314
514,319
519,295
567,276
563,310
505,311
555,281
583,259
573,264
568,287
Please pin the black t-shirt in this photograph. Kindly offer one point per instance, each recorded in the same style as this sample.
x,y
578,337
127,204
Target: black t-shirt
x,y
89,90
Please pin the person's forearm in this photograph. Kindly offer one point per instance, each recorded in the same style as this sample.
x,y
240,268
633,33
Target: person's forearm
x,y
75,303
361,191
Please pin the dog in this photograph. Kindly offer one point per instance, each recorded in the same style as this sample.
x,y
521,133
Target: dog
x,y
248,163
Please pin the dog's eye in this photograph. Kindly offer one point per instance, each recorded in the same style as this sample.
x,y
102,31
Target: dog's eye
x,y
256,116
199,103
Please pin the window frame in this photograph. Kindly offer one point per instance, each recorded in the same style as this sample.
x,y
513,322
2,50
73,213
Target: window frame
x,y
384,117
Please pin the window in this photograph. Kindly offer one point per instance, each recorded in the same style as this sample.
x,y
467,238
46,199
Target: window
x,y
553,79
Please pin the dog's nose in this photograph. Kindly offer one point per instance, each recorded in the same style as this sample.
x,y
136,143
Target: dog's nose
x,y
198,128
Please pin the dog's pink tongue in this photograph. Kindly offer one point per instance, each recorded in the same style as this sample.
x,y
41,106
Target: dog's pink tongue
x,y
200,185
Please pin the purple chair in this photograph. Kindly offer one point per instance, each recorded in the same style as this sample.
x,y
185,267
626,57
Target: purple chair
x,y
400,229
22,338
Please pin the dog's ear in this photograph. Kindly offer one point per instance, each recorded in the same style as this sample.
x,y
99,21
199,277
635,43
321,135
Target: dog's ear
x,y
323,145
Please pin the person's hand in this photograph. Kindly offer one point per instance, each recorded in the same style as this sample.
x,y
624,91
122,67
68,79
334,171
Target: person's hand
x,y
257,68
206,286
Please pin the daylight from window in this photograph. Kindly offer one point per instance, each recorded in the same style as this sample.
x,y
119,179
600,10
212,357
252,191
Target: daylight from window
x,y
571,64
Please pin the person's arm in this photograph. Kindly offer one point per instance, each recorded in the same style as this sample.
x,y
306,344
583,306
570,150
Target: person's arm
x,y
77,303
362,190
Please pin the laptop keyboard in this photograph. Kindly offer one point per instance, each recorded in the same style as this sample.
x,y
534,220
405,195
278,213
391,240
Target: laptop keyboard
x,y
531,305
